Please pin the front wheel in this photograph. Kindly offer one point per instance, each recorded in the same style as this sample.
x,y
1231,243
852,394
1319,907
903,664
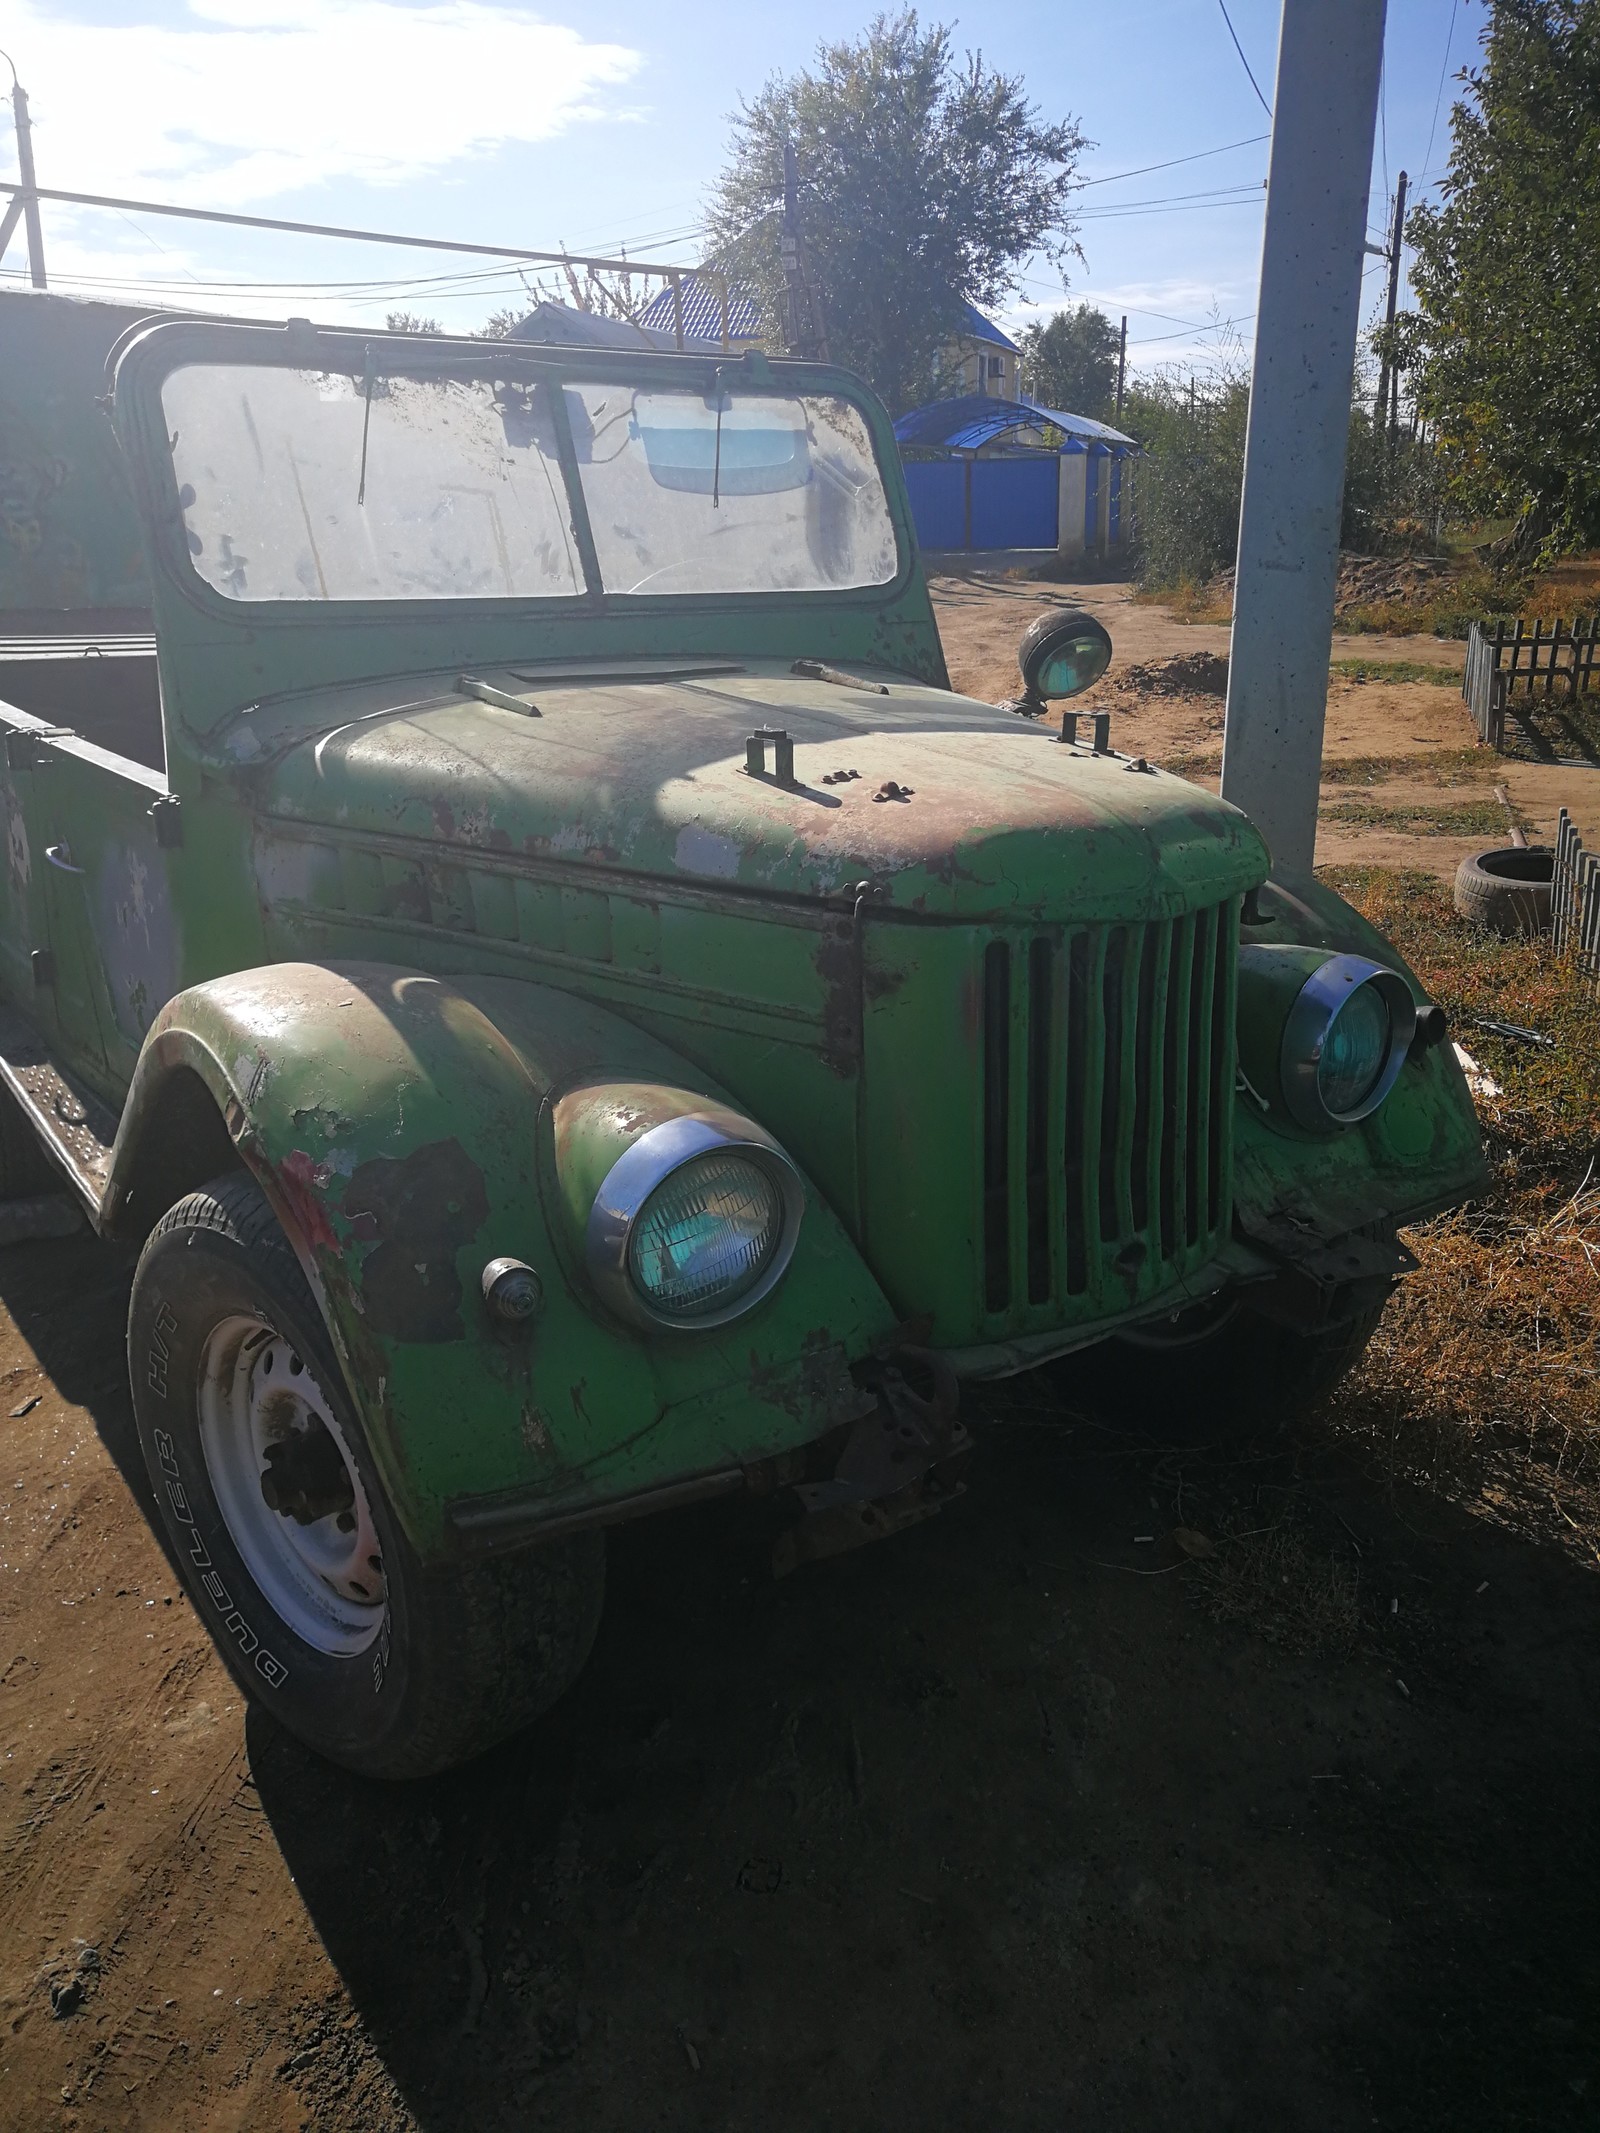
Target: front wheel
x,y
282,1533
1217,1369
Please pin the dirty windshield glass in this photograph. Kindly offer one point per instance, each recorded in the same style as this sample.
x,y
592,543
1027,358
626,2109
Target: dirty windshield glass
x,y
730,492
308,485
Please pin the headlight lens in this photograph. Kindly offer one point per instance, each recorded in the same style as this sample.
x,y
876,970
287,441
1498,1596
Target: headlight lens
x,y
697,1217
706,1236
1354,1052
1345,1039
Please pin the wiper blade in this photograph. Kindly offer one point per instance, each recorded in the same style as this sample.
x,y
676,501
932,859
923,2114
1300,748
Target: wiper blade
x,y
819,670
486,693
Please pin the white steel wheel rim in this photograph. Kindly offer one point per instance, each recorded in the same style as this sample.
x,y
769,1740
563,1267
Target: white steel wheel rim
x,y
325,1579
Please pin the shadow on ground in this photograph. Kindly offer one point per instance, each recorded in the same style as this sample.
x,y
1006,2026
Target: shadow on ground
x,y
987,1829
1017,1822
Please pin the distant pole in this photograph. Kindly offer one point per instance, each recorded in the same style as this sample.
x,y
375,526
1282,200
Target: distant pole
x,y
1324,118
24,205
1388,377
804,334
1122,363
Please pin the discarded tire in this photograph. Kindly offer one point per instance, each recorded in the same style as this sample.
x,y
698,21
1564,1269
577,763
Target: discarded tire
x,y
1507,891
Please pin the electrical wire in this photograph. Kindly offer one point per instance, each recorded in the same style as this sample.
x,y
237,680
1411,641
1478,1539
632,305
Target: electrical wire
x,y
1239,48
1172,162
1444,69
1215,192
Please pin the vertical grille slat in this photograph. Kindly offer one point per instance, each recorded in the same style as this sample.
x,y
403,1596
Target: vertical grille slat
x,y
1113,1090
1176,1071
1199,1108
1107,1109
997,1125
1081,961
1042,1011
1219,1146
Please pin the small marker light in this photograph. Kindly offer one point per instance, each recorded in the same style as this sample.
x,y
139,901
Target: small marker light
x,y
513,1291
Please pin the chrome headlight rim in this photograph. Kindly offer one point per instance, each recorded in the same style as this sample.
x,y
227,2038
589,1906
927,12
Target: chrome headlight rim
x,y
1317,1006
642,1168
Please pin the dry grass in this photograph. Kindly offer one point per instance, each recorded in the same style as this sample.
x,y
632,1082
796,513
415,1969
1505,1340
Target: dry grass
x,y
1442,767
1484,1377
1395,670
1469,818
1189,601
1283,1584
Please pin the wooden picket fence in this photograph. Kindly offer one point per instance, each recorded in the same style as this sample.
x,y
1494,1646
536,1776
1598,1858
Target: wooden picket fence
x,y
1511,665
1575,902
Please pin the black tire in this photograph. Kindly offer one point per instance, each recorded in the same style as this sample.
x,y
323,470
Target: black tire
x,y
25,1169
1508,891
1217,1371
455,1658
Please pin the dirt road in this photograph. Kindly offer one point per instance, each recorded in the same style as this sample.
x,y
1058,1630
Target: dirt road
x,y
1405,783
1022,1821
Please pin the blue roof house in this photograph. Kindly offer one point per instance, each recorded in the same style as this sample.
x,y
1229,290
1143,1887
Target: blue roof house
x,y
701,298
985,472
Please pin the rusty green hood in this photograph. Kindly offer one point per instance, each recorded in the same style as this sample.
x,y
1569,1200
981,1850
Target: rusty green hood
x,y
644,773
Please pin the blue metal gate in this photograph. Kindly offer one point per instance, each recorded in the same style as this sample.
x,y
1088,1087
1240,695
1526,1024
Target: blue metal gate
x,y
986,503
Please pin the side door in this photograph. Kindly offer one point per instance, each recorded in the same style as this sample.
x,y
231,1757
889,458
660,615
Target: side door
x,y
107,832
26,962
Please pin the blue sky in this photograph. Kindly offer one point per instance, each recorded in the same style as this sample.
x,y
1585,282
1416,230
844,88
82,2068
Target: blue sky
x,y
596,124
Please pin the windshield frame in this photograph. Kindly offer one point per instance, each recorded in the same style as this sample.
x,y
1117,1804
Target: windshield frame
x,y
144,360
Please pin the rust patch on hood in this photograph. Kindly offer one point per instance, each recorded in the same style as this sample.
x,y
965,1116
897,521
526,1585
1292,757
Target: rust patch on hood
x,y
417,1210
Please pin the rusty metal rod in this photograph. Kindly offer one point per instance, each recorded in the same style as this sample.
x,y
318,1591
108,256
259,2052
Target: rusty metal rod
x,y
331,229
1518,835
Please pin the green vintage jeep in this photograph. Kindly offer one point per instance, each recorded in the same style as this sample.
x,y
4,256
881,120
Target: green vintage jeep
x,y
582,1019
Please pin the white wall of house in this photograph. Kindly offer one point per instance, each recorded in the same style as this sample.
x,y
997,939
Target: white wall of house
x,y
980,367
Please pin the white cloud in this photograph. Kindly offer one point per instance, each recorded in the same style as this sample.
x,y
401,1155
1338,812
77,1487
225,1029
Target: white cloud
x,y
236,103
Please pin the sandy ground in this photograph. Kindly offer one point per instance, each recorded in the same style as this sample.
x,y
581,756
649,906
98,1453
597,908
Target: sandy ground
x,y
981,620
1017,1822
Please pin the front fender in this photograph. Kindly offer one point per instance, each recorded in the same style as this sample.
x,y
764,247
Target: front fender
x,y
1419,1152
394,1121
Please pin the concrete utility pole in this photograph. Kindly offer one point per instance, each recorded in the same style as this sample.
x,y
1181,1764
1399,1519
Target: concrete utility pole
x,y
804,334
1388,375
1122,363
24,204
1324,117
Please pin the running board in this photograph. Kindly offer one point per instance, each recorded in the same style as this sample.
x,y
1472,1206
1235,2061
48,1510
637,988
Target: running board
x,y
75,1129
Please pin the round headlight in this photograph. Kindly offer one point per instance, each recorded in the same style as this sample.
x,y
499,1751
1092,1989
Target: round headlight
x,y
1355,1052
694,1222
1345,1041
704,1238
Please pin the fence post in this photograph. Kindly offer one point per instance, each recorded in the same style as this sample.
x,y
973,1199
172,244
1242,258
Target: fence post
x,y
1560,884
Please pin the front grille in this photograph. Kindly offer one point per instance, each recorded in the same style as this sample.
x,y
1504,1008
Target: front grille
x,y
1108,1064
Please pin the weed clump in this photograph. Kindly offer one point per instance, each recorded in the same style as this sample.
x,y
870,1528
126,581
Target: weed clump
x,y
1484,1376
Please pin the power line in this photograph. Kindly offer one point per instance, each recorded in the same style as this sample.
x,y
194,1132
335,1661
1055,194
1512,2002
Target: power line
x,y
1212,192
1225,325
1239,48
1444,69
1172,163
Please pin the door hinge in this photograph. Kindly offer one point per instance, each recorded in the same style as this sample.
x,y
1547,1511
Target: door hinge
x,y
166,812
44,967
22,748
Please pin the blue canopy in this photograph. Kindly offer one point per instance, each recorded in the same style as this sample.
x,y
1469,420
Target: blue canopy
x,y
979,418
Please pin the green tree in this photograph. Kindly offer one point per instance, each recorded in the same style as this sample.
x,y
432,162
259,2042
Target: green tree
x,y
923,181
1070,362
411,322
1509,378
1186,486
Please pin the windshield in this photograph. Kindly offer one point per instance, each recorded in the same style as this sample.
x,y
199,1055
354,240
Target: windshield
x,y
317,485
730,492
